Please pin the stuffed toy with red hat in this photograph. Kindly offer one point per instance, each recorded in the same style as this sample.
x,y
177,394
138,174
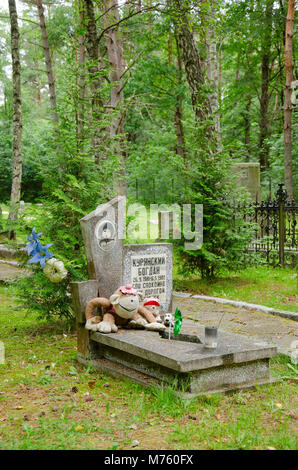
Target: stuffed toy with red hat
x,y
153,304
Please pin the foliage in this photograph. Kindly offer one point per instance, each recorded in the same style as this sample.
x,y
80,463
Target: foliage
x,y
224,236
41,292
37,294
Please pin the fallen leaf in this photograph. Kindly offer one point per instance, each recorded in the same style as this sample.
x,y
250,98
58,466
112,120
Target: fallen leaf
x,y
91,384
79,428
278,405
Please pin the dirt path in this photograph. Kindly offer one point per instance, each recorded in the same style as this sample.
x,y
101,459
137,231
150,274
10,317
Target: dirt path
x,y
10,272
270,328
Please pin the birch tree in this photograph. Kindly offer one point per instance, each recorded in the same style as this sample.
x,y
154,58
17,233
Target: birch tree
x,y
17,116
212,64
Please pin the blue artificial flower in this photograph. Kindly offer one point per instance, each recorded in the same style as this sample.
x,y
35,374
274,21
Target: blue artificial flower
x,y
34,246
41,257
34,236
39,252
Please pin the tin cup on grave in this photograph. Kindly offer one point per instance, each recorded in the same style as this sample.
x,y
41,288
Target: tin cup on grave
x,y
210,340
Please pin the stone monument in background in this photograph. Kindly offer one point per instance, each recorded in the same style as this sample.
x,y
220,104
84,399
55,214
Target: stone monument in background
x,y
248,176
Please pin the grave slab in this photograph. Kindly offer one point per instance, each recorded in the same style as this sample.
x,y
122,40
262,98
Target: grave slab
x,y
237,362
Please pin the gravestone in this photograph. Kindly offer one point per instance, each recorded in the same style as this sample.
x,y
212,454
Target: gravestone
x,y
149,267
145,356
248,176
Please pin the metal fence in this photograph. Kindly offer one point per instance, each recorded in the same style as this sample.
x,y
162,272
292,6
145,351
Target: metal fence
x,y
275,232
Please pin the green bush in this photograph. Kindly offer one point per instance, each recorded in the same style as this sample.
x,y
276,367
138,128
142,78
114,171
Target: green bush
x,y
49,299
210,182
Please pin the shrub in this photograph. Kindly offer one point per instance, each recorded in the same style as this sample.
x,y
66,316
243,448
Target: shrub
x,y
211,183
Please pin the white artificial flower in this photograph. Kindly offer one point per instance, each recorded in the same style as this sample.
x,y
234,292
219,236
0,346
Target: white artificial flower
x,y
55,270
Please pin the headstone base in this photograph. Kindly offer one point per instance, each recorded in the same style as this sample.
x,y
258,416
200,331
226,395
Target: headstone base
x,y
151,360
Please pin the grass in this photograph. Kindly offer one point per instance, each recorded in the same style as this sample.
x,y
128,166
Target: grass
x,y
49,401
264,285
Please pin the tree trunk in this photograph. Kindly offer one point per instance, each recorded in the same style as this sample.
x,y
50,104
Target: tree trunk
x,y
180,145
48,60
264,102
191,60
95,81
115,55
247,128
80,78
212,65
288,104
17,117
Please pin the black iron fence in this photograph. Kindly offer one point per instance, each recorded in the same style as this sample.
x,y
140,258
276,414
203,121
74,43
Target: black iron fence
x,y
275,231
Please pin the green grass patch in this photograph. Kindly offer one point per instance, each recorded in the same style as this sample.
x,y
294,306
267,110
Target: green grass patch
x,y
49,401
272,287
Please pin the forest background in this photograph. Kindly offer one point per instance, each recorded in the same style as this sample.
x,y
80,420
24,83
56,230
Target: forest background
x,y
156,100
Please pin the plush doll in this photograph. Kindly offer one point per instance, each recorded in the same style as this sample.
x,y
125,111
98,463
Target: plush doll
x,y
122,309
169,320
153,305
